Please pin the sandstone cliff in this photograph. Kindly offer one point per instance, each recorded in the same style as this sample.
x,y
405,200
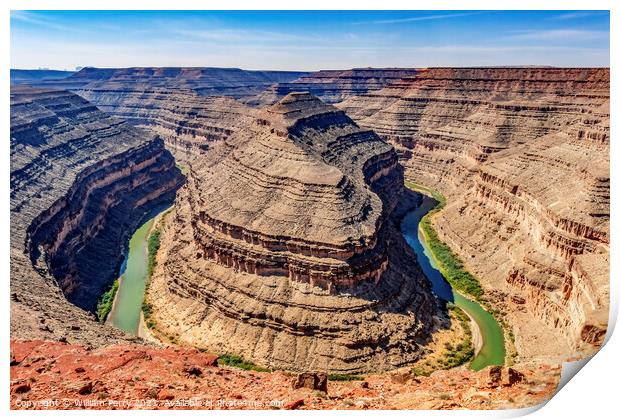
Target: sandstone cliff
x,y
284,248
81,182
333,86
523,155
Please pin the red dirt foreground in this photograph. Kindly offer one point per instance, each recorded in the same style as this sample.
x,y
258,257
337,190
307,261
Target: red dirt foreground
x,y
55,375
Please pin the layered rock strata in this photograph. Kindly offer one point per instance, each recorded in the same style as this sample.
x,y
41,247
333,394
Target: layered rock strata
x,y
208,81
284,248
523,155
333,86
81,182
187,122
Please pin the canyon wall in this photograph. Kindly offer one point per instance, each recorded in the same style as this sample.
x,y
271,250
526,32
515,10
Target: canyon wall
x,y
523,156
81,182
332,86
284,248
186,121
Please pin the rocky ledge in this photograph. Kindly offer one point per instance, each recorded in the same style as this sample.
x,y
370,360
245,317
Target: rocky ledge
x,y
81,182
284,248
138,377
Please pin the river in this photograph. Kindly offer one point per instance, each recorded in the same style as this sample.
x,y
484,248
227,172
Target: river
x,y
493,351
127,306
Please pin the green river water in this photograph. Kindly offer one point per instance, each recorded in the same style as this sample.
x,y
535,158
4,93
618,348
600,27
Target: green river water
x,y
125,313
492,351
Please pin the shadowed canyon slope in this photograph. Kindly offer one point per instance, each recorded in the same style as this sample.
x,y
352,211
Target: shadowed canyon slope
x,y
81,182
284,248
523,155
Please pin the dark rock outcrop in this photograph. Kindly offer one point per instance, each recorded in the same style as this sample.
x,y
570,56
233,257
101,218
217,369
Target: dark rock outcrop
x,y
311,380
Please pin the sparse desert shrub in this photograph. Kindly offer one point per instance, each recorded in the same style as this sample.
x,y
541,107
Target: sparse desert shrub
x,y
106,301
239,362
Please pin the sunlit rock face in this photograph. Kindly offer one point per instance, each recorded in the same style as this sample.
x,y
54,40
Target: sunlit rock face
x,y
81,182
284,248
523,156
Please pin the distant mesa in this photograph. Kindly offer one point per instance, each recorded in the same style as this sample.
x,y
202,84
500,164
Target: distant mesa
x,y
19,76
207,81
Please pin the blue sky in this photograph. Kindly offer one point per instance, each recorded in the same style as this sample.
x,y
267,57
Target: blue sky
x,y
311,40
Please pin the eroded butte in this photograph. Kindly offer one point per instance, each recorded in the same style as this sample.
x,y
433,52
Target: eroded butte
x,y
284,248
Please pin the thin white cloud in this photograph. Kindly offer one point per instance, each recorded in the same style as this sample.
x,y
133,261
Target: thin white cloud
x,y
240,35
36,19
577,15
560,34
412,19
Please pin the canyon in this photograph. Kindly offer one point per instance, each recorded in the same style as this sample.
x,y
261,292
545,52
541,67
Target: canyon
x,y
191,108
81,182
523,157
284,244
186,121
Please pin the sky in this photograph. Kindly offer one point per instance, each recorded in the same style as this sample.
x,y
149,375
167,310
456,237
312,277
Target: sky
x,y
308,40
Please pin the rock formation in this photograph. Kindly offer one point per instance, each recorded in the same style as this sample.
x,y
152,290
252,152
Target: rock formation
x,y
208,81
523,155
284,248
81,182
187,122
333,86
